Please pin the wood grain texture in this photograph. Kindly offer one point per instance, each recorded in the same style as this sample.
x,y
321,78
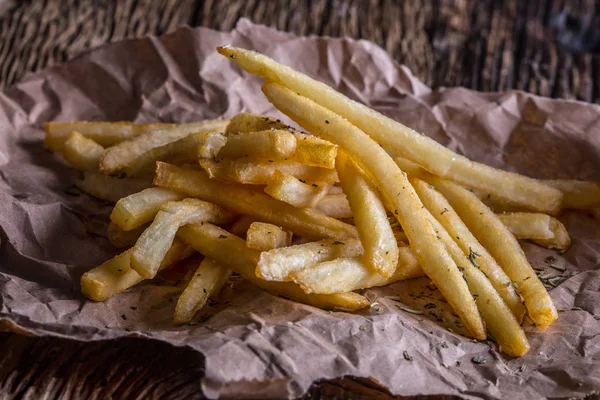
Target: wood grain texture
x,y
542,46
548,47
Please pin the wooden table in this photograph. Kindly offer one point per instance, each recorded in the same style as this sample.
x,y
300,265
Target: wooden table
x,y
542,46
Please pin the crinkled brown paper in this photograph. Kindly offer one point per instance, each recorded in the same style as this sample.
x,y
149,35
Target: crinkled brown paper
x,y
260,345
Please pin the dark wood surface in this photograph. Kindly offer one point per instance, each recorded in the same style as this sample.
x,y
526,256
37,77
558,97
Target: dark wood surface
x,y
548,47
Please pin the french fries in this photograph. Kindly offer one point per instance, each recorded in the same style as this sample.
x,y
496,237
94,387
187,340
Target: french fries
x,y
291,190
262,236
110,188
120,156
155,241
499,319
227,249
280,264
248,201
477,254
207,281
400,139
351,191
310,150
347,274
370,218
139,208
82,153
396,190
182,151
274,145
260,172
116,276
497,239
103,133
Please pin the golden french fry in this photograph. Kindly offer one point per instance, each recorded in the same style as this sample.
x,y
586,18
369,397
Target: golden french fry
x,y
370,218
334,205
249,201
121,238
497,239
561,240
443,212
248,122
499,319
182,151
396,191
82,153
110,188
260,172
137,209
348,274
577,194
279,264
271,144
207,281
393,135
155,241
262,236
291,190
528,225
227,249
103,133
116,276
118,157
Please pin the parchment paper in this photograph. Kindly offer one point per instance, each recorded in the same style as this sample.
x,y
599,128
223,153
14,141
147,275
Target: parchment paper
x,y
256,345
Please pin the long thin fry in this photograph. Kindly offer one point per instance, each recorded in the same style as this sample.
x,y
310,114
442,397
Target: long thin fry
x,y
82,153
443,212
139,208
246,200
497,239
227,249
207,281
103,133
123,154
401,139
395,189
370,218
115,275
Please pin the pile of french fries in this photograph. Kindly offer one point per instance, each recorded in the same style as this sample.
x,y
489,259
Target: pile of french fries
x,y
360,201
